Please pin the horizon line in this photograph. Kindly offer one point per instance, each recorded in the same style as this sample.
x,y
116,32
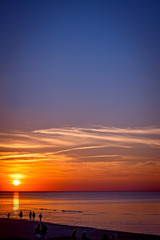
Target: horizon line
x,y
82,191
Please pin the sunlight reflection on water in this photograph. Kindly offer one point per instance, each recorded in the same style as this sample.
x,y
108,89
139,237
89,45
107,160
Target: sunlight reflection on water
x,y
15,201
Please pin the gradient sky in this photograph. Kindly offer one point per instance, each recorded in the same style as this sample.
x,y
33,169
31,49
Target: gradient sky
x,y
79,95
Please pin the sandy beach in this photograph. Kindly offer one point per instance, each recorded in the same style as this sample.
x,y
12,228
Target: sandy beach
x,y
24,229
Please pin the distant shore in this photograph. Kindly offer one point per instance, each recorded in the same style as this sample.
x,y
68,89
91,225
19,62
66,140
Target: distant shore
x,y
24,229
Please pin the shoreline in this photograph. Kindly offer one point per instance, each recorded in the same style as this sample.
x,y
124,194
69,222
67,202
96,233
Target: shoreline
x,y
24,229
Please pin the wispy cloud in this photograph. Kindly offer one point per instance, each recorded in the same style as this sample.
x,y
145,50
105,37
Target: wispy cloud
x,y
79,144
147,136
71,139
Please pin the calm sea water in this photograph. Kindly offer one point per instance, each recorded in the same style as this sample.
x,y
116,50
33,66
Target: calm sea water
x,y
125,211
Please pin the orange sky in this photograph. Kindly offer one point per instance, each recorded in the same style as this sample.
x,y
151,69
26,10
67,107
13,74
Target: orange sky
x,y
81,159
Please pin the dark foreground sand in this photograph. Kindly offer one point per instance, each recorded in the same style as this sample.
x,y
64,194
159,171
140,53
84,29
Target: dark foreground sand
x,y
24,229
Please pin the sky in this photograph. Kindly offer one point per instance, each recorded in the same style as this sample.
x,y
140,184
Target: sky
x,y
79,95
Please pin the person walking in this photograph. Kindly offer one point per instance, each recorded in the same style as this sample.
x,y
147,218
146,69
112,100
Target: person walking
x,y
34,215
21,214
40,217
30,215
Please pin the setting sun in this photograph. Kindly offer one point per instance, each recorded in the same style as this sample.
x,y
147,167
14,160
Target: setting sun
x,y
16,182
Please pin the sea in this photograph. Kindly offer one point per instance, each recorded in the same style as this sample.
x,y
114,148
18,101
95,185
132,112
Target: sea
x,y
137,212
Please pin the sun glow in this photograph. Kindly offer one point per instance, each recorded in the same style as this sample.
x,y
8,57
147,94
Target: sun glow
x,y
16,182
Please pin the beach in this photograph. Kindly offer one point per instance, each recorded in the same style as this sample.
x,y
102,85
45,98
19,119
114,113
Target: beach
x,y
24,229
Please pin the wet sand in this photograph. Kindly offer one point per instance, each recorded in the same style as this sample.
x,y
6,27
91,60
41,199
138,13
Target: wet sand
x,y
24,229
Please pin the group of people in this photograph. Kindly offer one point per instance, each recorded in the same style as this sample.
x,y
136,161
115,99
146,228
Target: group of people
x,y
41,231
32,215
85,237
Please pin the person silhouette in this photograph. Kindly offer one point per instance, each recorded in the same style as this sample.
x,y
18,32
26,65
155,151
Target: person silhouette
x,y
8,215
40,217
44,231
34,215
84,236
21,214
30,215
74,233
38,232
105,237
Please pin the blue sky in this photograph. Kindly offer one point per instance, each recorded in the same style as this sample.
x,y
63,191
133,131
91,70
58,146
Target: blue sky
x,y
79,63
